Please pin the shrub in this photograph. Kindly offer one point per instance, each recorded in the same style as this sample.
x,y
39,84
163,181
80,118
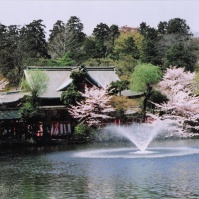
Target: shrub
x,y
83,131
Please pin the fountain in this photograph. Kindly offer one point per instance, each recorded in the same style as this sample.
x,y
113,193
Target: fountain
x,y
141,135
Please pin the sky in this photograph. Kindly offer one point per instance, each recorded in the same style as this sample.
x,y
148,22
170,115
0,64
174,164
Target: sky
x,y
92,12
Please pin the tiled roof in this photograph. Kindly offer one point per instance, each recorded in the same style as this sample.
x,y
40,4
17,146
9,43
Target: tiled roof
x,y
129,93
59,78
103,76
56,77
12,96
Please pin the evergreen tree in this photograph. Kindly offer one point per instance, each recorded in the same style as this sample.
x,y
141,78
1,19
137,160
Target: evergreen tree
x,y
56,41
130,48
180,56
149,50
176,46
67,37
33,40
101,33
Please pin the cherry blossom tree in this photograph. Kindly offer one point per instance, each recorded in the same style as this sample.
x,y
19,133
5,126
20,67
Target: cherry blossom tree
x,y
182,107
94,109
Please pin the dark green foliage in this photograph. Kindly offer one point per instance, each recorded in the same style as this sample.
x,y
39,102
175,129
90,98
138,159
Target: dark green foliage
x,y
157,97
11,60
101,44
125,66
57,28
75,37
33,39
84,132
30,111
78,79
71,96
66,60
90,48
149,50
20,45
181,56
118,86
67,37
162,28
171,43
174,26
130,48
105,39
177,26
113,34
62,61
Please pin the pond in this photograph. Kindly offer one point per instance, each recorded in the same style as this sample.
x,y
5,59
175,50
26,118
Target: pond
x,y
100,171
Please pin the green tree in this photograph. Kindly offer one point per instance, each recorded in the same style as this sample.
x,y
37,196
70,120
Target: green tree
x,y
142,80
84,132
126,51
33,39
125,66
162,28
149,50
114,33
36,82
90,48
158,98
75,37
58,27
66,60
176,45
67,37
56,41
101,33
118,86
178,26
130,48
62,61
20,47
3,30
71,96
181,56
11,55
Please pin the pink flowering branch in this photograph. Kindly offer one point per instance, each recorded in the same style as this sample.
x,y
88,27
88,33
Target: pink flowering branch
x,y
182,106
94,109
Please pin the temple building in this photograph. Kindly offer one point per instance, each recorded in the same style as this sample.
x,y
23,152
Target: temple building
x,y
50,101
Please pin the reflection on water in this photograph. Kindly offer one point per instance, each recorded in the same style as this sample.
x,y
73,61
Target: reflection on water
x,y
58,172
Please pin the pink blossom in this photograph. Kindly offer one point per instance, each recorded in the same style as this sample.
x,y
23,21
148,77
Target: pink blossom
x,y
94,108
182,106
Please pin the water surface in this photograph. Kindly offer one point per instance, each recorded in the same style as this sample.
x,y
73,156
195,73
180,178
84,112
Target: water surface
x,y
114,171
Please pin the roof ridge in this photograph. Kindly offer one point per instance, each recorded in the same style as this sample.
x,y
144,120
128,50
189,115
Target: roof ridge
x,y
69,68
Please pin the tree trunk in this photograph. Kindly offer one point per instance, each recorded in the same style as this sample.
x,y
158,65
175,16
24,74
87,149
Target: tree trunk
x,y
147,97
144,107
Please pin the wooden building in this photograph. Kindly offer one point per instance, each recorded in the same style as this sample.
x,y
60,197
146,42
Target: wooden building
x,y
58,81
